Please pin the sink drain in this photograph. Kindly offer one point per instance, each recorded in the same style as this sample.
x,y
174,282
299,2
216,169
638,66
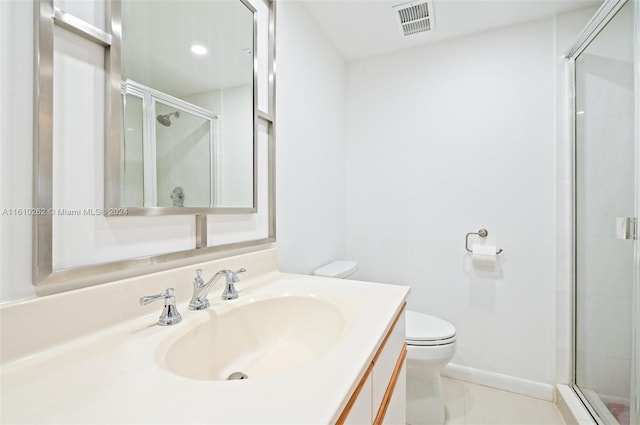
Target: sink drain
x,y
237,375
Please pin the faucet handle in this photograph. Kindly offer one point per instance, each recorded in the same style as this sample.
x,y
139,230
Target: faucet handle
x,y
230,292
198,281
170,314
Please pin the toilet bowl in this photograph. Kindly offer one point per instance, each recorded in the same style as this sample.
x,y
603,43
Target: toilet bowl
x,y
431,344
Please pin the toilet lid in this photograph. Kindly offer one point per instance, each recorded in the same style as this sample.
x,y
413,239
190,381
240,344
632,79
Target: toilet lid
x,y
422,327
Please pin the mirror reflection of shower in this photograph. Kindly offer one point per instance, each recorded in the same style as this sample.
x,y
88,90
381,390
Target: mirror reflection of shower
x,y
172,164
166,119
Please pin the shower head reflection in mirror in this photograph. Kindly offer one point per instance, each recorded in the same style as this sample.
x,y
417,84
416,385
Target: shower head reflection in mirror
x,y
166,119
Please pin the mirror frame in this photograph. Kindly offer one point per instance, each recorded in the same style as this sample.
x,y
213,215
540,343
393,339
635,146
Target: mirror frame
x,y
46,279
113,156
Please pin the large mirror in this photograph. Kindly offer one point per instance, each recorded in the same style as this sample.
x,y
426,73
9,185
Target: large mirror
x,y
188,108
170,87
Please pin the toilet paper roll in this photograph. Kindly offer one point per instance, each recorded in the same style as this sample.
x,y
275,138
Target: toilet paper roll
x,y
484,255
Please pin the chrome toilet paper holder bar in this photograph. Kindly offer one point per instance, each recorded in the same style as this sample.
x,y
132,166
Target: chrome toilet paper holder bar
x,y
482,233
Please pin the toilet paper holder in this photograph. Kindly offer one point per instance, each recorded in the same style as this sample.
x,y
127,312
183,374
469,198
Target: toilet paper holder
x,y
482,233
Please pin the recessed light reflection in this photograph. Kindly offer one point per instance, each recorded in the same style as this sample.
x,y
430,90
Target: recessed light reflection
x,y
198,49
580,113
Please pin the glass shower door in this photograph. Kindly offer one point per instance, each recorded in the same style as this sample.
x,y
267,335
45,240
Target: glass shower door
x,y
605,189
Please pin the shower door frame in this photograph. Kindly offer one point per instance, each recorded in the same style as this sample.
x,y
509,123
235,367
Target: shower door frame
x,y
593,28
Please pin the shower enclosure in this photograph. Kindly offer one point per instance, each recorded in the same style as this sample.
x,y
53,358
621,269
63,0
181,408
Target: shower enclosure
x,y
169,151
606,251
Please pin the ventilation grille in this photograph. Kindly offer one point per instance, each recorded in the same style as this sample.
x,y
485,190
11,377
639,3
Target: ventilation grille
x,y
415,17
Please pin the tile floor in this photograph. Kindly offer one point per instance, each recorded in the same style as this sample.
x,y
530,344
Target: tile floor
x,y
472,404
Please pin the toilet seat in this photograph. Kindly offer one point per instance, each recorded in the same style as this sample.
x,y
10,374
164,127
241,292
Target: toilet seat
x,y
425,330
419,343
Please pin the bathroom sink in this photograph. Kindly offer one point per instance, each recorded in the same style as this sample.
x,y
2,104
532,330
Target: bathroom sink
x,y
258,338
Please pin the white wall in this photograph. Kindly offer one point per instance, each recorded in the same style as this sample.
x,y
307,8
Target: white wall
x,y
16,147
310,131
445,140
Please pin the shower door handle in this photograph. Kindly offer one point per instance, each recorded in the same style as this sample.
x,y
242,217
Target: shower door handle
x,y
627,228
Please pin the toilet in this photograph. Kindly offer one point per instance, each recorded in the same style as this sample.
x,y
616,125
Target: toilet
x,y
431,344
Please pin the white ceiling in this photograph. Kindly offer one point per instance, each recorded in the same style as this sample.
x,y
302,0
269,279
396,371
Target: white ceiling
x,y
156,40
364,28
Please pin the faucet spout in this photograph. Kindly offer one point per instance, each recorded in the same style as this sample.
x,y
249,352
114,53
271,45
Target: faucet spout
x,y
199,299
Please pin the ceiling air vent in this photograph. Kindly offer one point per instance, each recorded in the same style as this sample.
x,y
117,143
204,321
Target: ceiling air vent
x,y
414,17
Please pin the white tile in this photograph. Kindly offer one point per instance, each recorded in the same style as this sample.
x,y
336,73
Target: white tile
x,y
485,405
453,392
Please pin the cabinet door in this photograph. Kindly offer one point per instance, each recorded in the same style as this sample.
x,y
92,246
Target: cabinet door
x,y
361,410
386,360
381,395
397,410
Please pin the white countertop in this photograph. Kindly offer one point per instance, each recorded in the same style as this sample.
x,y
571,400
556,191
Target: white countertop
x,y
112,376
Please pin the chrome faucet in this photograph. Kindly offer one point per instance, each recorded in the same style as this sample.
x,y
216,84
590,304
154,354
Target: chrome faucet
x,y
199,299
170,314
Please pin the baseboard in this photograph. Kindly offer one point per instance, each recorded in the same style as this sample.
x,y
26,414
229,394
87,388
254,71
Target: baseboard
x,y
499,381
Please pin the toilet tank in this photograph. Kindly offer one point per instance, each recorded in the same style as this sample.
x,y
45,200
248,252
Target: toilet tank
x,y
337,269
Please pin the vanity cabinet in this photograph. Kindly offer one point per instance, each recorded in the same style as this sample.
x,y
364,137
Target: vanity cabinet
x,y
380,397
